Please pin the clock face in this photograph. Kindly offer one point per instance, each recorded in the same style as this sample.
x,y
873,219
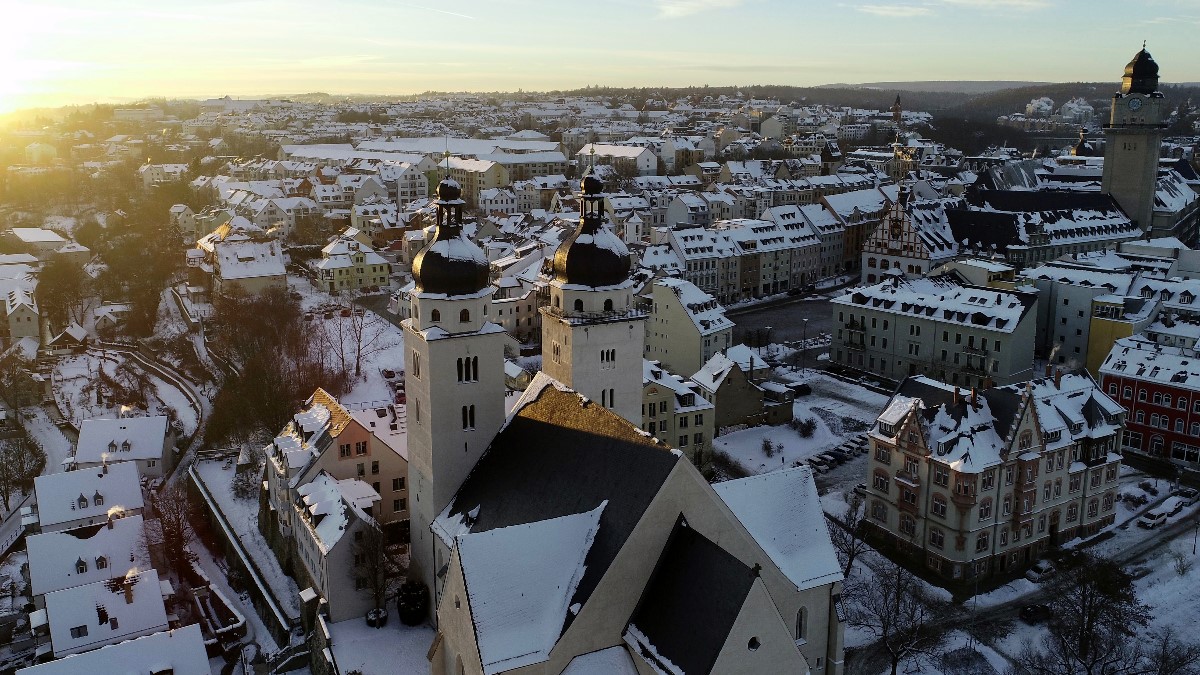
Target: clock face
x,y
1135,104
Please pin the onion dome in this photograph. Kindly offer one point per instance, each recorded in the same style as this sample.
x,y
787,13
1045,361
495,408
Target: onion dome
x,y
451,264
592,255
1141,74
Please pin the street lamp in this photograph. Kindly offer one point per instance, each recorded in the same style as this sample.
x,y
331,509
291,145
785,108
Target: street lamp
x,y
803,347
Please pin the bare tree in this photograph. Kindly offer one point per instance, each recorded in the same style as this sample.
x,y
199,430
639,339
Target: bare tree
x,y
1093,631
847,534
897,609
174,532
377,565
369,334
21,460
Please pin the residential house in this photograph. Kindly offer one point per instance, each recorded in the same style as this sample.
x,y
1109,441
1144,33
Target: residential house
x,y
69,558
348,264
686,326
178,652
242,254
674,411
22,318
628,160
148,442
71,499
82,618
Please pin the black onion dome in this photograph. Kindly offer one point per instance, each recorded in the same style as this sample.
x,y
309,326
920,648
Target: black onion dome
x,y
1141,74
451,264
592,257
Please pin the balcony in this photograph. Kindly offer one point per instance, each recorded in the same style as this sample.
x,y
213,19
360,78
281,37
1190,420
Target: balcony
x,y
972,349
909,479
855,326
963,499
856,345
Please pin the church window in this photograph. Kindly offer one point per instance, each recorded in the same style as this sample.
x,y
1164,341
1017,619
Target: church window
x,y
464,316
468,417
608,305
578,305
435,315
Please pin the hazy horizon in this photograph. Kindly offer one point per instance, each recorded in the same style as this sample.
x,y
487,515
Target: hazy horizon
x,y
69,52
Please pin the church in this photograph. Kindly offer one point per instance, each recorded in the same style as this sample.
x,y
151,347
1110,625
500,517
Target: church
x,y
560,537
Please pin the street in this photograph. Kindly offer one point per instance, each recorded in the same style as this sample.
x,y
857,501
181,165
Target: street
x,y
786,320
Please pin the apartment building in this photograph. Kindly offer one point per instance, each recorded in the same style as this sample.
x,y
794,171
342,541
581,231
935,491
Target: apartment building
x,y
675,412
686,326
974,484
963,335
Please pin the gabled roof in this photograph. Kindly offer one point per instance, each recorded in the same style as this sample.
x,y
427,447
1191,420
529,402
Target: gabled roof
x,y
180,652
561,454
54,556
519,581
123,439
782,512
58,494
111,610
691,602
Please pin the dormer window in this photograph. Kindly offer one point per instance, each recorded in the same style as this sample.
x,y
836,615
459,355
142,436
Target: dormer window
x,y
80,566
125,445
112,446
101,563
82,502
98,499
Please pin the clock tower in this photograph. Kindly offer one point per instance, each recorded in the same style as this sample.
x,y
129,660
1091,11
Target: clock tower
x,y
1133,137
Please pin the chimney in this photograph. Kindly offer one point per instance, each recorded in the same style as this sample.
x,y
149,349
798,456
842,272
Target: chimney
x,y
110,525
128,586
1058,378
974,398
956,396
1048,367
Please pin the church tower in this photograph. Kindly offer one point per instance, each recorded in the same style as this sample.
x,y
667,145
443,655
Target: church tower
x,y
454,375
1133,137
592,337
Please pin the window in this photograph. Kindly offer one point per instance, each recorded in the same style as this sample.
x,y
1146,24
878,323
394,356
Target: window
x,y
1093,508
578,305
101,563
1108,502
697,439
985,509
608,305
344,450
802,624
939,506
468,417
1007,508
1076,481
937,538
362,470
881,481
909,496
1095,479
399,505
989,480
883,455
360,448
79,632
416,363
435,316
1072,513
1004,537
1057,487
397,484
1127,392
879,511
375,468
911,465
464,316
941,475
908,524
982,542
1008,475
1049,463
1046,491
80,566
699,419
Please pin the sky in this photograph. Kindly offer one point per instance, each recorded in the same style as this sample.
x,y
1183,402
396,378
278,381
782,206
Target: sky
x,y
58,52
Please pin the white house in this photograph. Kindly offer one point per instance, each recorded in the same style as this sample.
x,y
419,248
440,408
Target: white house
x,y
59,560
178,652
145,441
87,496
102,613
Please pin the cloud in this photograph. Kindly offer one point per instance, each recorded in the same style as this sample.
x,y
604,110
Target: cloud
x,y
1023,5
895,11
674,9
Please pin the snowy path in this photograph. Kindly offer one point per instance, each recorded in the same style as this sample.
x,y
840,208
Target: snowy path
x,y
43,429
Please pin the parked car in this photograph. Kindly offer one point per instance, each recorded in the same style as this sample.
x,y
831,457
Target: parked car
x,y
1032,614
817,465
1041,571
1188,495
1152,519
1171,505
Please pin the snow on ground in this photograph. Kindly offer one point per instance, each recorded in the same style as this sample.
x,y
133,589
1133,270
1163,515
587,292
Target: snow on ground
x,y
218,574
840,410
65,224
75,390
242,516
56,445
395,648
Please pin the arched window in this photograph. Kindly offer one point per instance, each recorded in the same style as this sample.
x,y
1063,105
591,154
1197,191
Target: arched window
x,y
435,315
464,316
871,263
802,624
578,305
556,301
460,370
608,305
1025,440
80,566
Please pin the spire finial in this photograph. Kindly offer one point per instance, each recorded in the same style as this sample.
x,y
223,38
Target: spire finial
x,y
1143,44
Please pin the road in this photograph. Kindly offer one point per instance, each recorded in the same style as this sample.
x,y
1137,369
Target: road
x,y
786,320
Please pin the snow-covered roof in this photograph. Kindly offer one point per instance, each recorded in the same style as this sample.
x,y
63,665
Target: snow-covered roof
x,y
388,424
120,440
106,551
38,235
179,652
687,396
249,259
746,358
943,299
703,309
329,502
782,511
71,495
111,611
611,661
520,581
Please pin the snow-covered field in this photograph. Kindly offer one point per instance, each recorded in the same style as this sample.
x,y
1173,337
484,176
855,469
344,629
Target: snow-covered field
x,y
54,443
395,648
840,411
75,389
